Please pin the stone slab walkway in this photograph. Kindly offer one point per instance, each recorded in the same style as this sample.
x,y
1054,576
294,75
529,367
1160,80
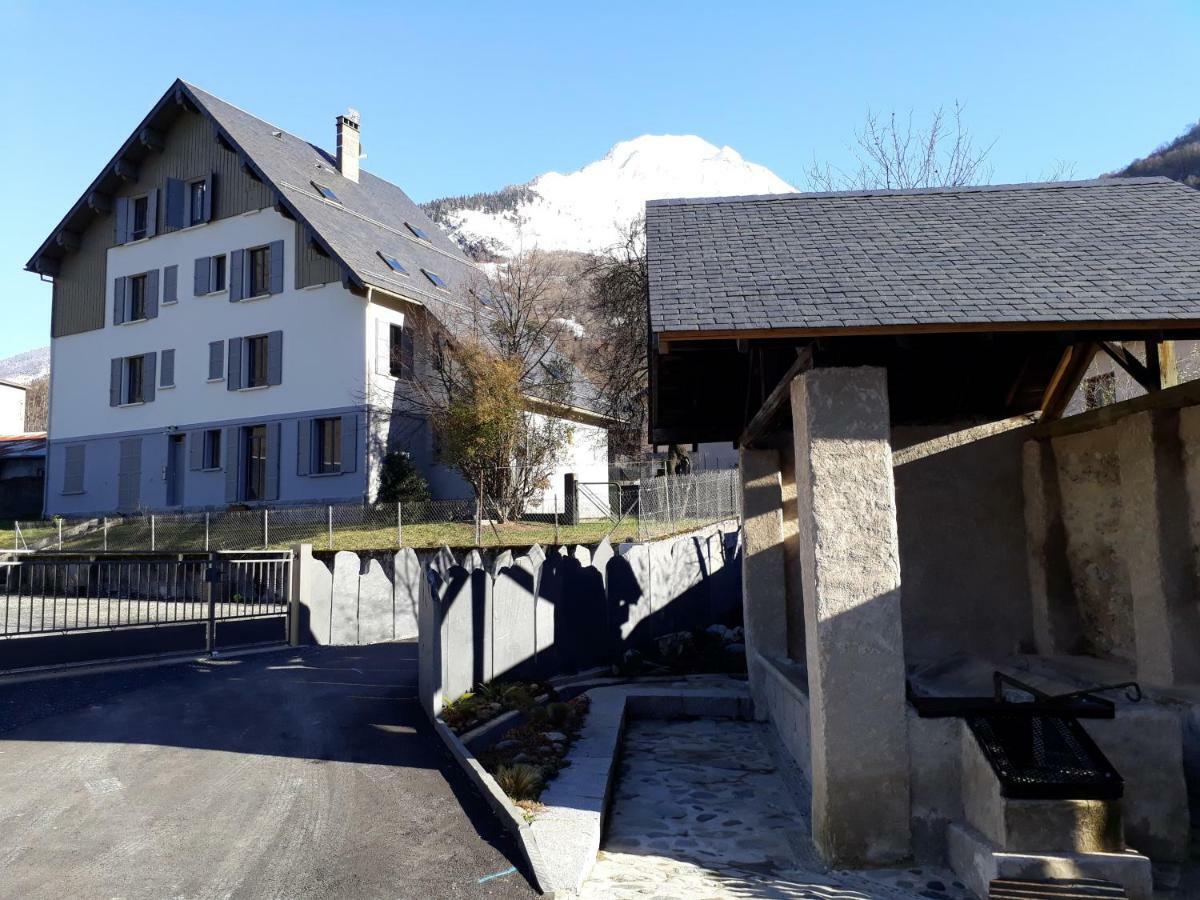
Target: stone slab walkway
x,y
707,809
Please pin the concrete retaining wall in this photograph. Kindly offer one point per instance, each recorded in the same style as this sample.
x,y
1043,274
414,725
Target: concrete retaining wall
x,y
349,605
549,613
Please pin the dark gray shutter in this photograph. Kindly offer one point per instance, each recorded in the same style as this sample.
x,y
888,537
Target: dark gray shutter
x,y
152,213
232,456
304,447
196,451
407,353
73,469
152,294
237,264
210,185
129,473
170,284
167,372
276,267
174,202
349,443
216,359
149,361
275,357
200,280
233,380
114,384
121,221
272,487
119,300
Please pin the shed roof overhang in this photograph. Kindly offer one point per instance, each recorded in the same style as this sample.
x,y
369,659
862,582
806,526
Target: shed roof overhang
x,y
731,385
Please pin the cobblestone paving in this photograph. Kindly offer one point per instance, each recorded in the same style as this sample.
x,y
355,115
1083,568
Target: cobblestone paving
x,y
702,810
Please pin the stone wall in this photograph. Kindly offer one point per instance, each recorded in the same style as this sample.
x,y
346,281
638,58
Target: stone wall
x,y
550,613
347,604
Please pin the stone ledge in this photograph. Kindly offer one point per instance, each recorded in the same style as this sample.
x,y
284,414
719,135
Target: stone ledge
x,y
561,842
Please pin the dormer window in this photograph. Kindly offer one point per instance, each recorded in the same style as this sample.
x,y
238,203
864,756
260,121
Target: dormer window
x,y
417,232
392,263
139,214
327,193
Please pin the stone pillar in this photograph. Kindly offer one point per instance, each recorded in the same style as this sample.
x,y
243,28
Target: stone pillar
x,y
764,589
1156,544
850,564
1056,624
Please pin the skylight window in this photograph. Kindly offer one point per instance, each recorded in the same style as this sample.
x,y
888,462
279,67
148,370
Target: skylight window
x,y
392,263
326,193
419,232
435,278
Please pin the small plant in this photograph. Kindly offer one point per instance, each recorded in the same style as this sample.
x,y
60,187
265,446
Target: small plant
x,y
558,714
520,781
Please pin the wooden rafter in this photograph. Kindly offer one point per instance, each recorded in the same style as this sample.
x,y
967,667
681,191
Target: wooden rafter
x,y
1147,376
779,395
1071,369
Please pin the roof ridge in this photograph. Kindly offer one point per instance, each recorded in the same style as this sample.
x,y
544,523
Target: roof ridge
x,y
1102,181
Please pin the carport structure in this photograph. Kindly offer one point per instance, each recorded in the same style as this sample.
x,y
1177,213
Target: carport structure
x,y
894,366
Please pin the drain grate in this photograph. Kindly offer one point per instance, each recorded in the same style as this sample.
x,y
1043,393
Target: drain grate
x,y
1086,889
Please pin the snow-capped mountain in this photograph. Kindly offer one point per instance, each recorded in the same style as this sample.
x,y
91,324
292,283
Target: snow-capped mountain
x,y
26,367
587,210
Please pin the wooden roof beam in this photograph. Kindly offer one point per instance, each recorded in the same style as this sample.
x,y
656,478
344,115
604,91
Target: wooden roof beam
x,y
779,395
1071,369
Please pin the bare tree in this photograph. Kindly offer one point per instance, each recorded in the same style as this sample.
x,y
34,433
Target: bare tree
x,y
617,298
890,152
37,404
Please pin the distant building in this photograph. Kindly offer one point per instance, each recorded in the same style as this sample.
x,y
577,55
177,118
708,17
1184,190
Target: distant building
x,y
12,407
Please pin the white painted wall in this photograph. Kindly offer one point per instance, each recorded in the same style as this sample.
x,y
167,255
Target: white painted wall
x,y
323,348
12,408
586,455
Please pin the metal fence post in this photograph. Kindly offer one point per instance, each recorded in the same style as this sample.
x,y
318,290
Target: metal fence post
x,y
330,527
211,574
16,535
60,534
266,528
152,537
478,516
556,517
106,534
399,525
206,515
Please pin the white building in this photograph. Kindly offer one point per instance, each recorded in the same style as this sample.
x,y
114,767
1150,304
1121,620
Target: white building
x,y
12,408
237,319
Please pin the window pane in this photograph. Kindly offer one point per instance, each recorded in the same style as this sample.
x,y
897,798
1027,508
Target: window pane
x,y
396,352
212,449
137,297
196,211
140,206
256,363
218,273
256,462
260,271
133,387
329,445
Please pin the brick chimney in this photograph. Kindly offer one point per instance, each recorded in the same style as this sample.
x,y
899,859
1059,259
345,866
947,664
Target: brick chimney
x,y
348,150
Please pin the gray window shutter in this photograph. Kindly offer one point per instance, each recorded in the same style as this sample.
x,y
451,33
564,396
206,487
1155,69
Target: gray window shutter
x,y
233,380
174,202
166,377
152,294
276,267
152,213
237,264
407,353
73,469
210,184
129,473
170,284
349,443
216,359
304,447
273,431
383,347
114,384
121,221
232,457
119,299
196,451
149,361
275,357
200,280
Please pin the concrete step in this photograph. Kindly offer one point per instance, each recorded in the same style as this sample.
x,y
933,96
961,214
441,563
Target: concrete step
x,y
1055,889
979,862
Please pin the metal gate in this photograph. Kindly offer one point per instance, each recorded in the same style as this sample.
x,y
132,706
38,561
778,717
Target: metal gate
x,y
100,606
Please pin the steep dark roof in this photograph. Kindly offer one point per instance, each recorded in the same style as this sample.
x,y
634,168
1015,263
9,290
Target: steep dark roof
x,y
1099,251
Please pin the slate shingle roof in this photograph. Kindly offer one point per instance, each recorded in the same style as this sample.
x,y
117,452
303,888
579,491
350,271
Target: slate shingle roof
x,y
1074,252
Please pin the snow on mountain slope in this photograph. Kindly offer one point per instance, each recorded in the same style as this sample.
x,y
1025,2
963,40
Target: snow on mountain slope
x,y
587,210
26,367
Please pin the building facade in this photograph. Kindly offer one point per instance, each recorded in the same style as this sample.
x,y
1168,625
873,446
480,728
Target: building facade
x,y
12,408
236,318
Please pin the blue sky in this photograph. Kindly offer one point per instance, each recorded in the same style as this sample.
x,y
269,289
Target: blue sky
x,y
479,95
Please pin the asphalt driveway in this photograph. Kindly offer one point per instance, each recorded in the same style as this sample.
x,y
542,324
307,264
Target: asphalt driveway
x,y
304,773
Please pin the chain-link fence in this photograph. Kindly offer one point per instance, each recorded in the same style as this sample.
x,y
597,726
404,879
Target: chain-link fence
x,y
639,510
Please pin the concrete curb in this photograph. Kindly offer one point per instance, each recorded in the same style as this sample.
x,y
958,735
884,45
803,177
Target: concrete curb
x,y
561,842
